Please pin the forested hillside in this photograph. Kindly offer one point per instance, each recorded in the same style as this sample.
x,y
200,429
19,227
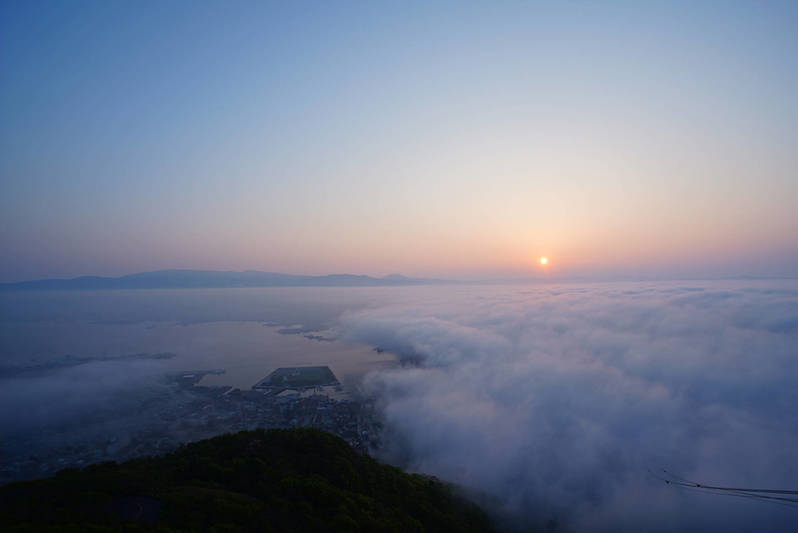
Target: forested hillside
x,y
276,480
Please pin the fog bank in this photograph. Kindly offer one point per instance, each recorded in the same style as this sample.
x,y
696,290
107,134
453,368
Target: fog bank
x,y
553,403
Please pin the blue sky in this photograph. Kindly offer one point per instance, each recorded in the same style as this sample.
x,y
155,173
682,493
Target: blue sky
x,y
457,139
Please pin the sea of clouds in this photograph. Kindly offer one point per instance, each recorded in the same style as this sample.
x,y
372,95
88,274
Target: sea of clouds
x,y
554,405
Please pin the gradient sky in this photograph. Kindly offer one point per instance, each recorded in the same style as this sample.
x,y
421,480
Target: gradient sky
x,y
457,139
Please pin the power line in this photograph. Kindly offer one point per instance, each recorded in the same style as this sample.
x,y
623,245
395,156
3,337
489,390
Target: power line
x,y
777,496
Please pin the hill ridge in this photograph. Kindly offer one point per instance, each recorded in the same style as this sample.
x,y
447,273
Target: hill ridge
x,y
208,279
262,480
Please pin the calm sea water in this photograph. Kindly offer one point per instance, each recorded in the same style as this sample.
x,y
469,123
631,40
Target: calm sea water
x,y
247,332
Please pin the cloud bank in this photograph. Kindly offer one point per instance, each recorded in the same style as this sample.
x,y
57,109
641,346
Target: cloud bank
x,y
552,404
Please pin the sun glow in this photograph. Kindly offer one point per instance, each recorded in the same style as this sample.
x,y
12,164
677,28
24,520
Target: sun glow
x,y
544,260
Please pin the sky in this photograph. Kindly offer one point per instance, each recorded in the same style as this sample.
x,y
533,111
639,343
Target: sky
x,y
621,140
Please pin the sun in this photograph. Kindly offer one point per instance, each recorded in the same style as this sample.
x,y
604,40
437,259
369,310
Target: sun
x,y
544,260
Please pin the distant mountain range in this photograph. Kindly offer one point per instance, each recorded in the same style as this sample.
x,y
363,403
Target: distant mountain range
x,y
207,279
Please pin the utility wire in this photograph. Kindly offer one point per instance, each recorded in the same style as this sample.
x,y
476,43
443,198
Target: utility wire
x,y
777,496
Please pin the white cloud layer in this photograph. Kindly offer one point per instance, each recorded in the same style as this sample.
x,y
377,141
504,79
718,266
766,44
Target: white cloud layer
x,y
553,403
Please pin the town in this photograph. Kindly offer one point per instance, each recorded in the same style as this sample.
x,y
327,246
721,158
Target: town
x,y
184,411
